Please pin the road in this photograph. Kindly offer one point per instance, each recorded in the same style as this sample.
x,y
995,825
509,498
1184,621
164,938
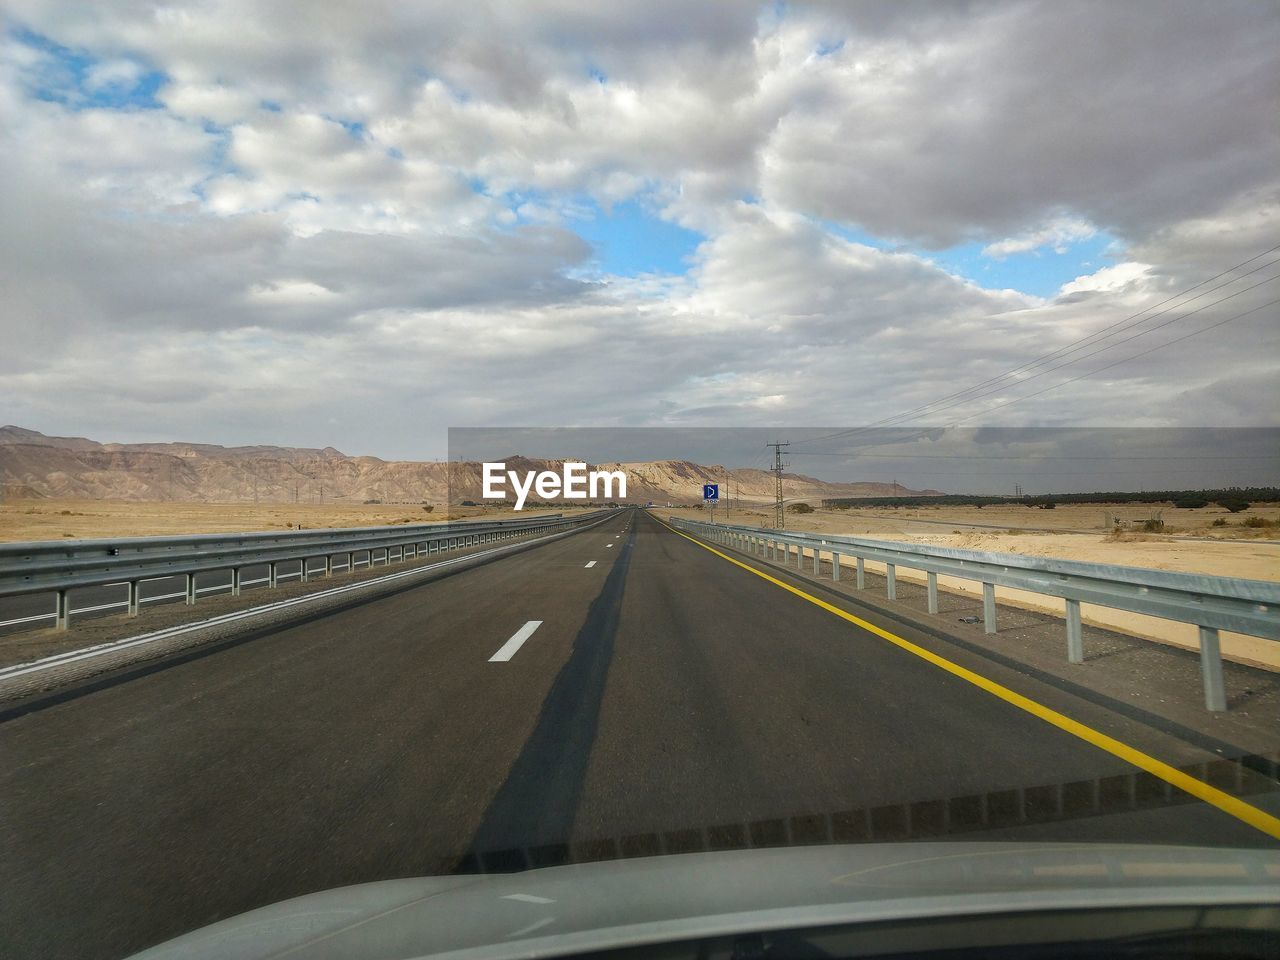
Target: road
x,y
622,690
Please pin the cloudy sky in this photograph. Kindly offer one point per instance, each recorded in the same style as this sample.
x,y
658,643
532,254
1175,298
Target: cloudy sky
x,y
361,224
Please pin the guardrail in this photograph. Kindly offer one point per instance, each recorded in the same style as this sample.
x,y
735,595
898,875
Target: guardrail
x,y
1211,603
59,566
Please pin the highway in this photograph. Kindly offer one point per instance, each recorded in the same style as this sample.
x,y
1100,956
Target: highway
x,y
623,690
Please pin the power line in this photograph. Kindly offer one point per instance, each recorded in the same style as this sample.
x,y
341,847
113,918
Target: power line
x,y
1159,346
1092,353
1116,328
948,456
778,512
1063,383
1116,363
1068,348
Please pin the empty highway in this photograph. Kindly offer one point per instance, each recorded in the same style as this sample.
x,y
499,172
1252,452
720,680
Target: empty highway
x,y
624,690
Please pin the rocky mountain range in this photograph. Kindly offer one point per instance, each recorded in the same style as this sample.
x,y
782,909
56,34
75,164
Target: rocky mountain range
x,y
33,465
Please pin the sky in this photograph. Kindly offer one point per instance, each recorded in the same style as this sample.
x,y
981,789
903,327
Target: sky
x,y
363,224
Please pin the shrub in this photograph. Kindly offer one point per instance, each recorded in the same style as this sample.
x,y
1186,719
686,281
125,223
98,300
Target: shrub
x,y
800,508
1233,504
1255,522
1153,525
469,503
1190,503
428,507
1220,522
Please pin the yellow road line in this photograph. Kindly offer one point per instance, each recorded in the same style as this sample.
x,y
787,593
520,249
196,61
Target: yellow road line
x,y
1245,812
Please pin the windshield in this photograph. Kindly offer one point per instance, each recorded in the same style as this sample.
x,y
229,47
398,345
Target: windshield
x,y
450,440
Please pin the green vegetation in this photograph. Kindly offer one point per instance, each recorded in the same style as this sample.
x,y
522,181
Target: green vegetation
x,y
1233,496
799,508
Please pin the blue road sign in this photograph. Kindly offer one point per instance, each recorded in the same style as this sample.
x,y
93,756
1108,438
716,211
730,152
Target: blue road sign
x,y
711,491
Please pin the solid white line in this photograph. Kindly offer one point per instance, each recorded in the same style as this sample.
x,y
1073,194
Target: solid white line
x,y
527,898
508,649
590,564
38,616
608,544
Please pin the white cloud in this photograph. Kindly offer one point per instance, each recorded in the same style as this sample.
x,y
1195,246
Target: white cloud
x,y
1118,280
1059,234
113,74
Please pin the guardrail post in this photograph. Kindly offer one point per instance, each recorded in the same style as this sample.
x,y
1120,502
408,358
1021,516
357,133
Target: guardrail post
x,y
835,566
305,574
328,564
1075,635
931,579
235,581
891,581
817,561
861,573
351,562
1215,688
131,607
272,579
61,610
191,589
989,607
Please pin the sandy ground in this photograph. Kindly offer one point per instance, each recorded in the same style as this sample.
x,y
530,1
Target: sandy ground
x,y
92,519
1255,555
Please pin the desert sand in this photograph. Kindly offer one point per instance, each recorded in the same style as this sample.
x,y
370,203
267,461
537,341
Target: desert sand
x,y
92,519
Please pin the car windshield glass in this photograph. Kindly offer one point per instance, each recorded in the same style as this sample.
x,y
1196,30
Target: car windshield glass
x,y
541,477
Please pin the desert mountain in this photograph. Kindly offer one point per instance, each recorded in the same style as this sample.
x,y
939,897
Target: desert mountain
x,y
35,465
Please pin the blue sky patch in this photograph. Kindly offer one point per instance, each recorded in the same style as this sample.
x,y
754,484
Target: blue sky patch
x,y
81,81
629,240
1040,272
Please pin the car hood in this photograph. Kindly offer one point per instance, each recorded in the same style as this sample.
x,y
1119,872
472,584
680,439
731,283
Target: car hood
x,y
595,906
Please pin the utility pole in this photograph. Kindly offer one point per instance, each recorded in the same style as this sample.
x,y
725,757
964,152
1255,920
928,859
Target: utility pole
x,y
728,496
779,521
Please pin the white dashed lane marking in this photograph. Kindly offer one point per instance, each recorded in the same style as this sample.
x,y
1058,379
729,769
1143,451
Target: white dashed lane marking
x,y
508,649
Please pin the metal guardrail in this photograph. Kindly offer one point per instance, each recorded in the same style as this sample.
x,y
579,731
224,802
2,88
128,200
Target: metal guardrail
x,y
59,566
1211,603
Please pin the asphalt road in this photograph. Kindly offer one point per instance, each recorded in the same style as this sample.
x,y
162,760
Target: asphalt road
x,y
619,691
